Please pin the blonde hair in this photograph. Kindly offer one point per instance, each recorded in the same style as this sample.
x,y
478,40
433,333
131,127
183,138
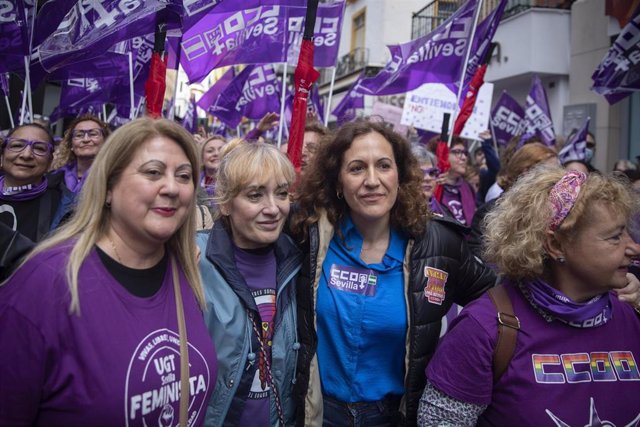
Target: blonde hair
x,y
516,227
91,219
243,162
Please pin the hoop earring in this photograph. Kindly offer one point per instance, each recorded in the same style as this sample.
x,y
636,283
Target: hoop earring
x,y
339,194
561,260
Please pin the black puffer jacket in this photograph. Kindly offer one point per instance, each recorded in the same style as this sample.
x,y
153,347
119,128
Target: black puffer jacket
x,y
441,253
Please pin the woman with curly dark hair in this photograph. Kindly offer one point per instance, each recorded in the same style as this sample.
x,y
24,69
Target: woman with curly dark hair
x,y
379,275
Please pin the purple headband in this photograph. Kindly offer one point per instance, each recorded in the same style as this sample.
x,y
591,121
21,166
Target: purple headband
x,y
563,196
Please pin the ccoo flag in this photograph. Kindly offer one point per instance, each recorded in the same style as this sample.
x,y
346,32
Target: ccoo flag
x,y
618,75
507,119
537,116
576,148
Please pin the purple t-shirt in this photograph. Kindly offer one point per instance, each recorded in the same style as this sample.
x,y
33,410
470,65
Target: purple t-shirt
x,y
259,271
559,375
117,364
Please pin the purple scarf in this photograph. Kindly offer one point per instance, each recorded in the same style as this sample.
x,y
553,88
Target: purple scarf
x,y
461,189
595,312
71,180
23,192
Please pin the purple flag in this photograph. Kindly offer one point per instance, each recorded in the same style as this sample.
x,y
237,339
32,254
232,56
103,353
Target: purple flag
x,y
210,98
90,28
190,120
76,93
315,105
618,75
263,35
15,22
435,57
252,94
354,99
50,15
4,84
109,64
506,119
576,147
537,117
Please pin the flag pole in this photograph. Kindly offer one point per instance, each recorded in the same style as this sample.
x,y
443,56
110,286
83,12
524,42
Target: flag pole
x,y
131,95
6,100
328,112
282,101
104,112
464,69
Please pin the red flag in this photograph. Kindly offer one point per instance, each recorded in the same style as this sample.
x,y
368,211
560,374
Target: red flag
x,y
470,99
155,85
304,77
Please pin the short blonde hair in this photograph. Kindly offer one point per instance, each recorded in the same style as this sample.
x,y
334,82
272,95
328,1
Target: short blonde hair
x,y
516,227
244,162
91,219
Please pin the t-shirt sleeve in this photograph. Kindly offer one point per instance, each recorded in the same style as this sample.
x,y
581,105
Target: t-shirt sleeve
x,y
21,368
462,364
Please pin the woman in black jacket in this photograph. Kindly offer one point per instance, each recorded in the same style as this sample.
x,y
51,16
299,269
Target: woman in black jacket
x,y
380,273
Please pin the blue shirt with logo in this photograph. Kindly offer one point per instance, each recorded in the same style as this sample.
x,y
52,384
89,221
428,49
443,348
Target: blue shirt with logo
x,y
361,320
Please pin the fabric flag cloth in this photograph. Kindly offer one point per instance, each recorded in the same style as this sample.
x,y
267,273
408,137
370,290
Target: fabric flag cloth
x,y
437,57
265,35
252,94
210,98
618,75
576,148
351,101
537,116
4,84
507,119
109,64
91,28
76,93
304,76
50,14
14,33
190,120
470,99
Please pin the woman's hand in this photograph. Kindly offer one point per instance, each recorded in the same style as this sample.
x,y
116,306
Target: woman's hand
x,y
630,293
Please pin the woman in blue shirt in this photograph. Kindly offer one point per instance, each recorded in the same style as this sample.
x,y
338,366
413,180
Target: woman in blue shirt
x,y
379,275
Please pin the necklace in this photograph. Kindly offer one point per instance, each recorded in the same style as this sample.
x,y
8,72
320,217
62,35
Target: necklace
x,y
113,246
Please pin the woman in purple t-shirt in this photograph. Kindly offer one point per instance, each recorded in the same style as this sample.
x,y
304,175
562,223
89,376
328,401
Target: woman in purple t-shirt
x,y
560,239
102,324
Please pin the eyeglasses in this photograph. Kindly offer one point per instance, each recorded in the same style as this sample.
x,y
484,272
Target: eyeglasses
x,y
458,152
18,145
432,172
91,133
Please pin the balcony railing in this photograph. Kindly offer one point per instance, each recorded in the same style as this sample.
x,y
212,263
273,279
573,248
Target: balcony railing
x,y
436,12
353,61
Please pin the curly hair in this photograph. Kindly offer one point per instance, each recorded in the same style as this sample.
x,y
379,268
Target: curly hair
x,y
523,160
516,227
317,190
65,155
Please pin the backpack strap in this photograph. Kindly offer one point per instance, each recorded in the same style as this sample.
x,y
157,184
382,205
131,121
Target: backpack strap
x,y
508,326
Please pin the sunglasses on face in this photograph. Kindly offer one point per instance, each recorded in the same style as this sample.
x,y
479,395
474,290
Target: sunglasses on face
x,y
91,133
458,152
432,172
18,145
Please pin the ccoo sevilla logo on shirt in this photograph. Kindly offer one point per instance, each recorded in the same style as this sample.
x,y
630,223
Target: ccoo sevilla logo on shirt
x,y
434,288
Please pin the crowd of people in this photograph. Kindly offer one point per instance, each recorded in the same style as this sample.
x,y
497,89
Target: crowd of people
x,y
152,277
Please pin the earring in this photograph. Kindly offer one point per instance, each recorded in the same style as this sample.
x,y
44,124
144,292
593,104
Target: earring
x,y
339,194
107,203
561,260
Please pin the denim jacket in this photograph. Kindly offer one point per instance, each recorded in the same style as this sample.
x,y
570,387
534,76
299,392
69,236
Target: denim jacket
x,y
228,298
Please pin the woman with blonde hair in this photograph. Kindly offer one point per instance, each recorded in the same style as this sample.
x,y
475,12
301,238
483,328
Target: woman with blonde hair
x,y
104,318
555,328
249,269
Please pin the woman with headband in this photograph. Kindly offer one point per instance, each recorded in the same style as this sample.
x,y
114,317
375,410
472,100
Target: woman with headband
x,y
560,239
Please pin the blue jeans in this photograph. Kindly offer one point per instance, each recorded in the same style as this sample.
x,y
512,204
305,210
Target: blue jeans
x,y
381,413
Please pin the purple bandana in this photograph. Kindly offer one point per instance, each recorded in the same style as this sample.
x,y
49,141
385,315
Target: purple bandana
x,y
563,196
23,192
595,312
